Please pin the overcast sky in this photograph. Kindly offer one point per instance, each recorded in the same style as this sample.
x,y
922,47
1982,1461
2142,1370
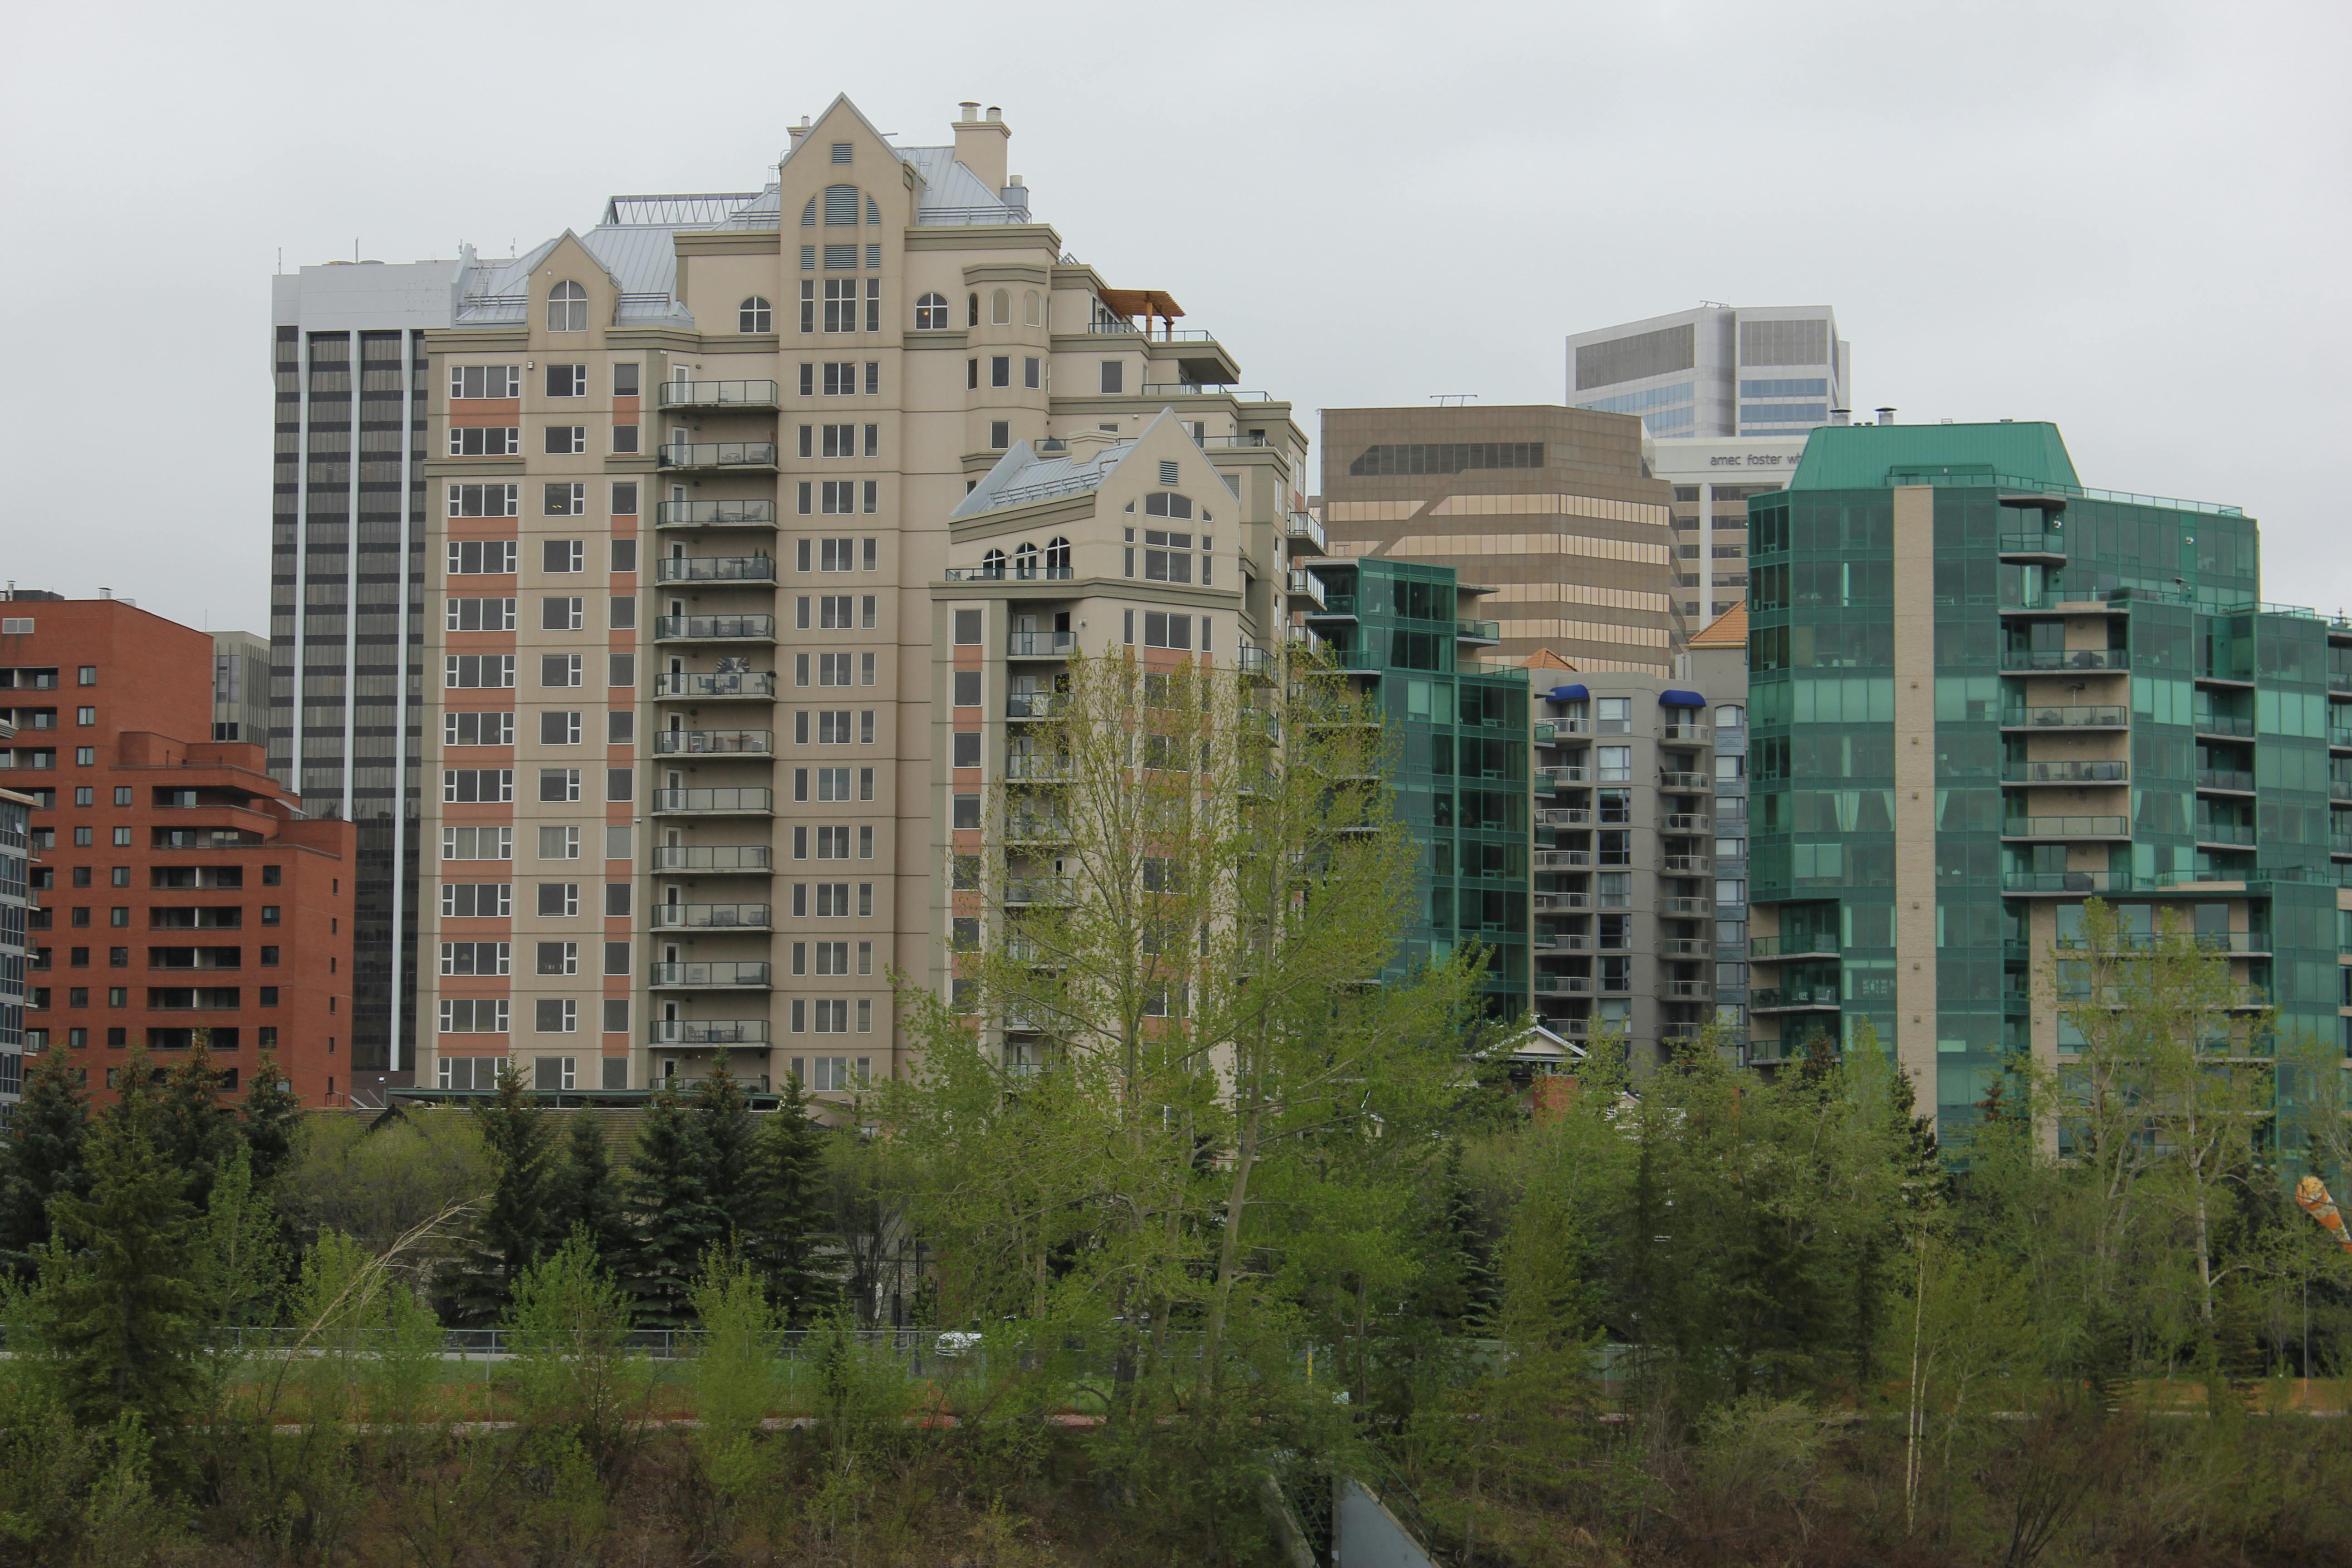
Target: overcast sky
x,y
2127,217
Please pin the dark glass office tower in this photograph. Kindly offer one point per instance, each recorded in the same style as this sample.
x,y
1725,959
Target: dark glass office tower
x,y
347,593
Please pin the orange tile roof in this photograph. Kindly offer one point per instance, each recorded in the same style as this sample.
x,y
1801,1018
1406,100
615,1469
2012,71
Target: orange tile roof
x,y
1729,629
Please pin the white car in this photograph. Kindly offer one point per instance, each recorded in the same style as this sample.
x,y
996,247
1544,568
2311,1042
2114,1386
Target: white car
x,y
956,1342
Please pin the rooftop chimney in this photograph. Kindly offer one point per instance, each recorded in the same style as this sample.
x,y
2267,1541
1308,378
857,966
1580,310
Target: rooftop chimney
x,y
970,107
1841,415
1886,416
979,145
1016,194
799,131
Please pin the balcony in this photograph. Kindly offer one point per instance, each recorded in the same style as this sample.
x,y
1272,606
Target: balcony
x,y
1564,860
1561,904
751,802
1687,990
1037,830
1040,645
2230,724
1305,532
1686,781
2234,835
1788,949
714,742
2100,716
1687,907
1035,767
2068,884
1562,776
2082,773
715,569
746,976
2248,944
1017,571
2066,827
708,1032
1690,947
1036,705
752,456
1686,865
1482,634
2047,545
710,917
714,860
1564,816
714,628
714,514
1559,941
1793,999
1563,986
716,394
1686,822
2058,660
1306,589
1687,732
1021,892
2226,781
757,685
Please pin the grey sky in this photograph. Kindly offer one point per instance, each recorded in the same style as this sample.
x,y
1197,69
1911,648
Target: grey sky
x,y
2119,216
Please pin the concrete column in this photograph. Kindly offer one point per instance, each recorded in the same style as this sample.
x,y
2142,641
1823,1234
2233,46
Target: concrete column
x,y
1915,788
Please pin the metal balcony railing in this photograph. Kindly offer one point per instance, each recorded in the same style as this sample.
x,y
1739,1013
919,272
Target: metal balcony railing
x,y
1563,986
714,514
1305,532
745,683
1008,572
1686,822
1036,705
1035,767
2239,781
1560,777
2233,833
1019,890
2098,716
708,1032
1040,645
714,742
2229,724
714,628
760,455
1783,999
724,802
1686,780
719,976
1689,732
2066,827
1305,584
2059,659
715,569
710,917
716,394
2075,772
1786,947
713,857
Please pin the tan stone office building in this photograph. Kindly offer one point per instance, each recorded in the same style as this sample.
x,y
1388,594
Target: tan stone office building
x,y
690,495
1552,510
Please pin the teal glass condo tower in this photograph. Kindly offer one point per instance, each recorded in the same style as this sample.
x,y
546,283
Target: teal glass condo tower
x,y
1980,694
1461,748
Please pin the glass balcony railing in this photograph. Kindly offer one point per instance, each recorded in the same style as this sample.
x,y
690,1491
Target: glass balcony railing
x,y
2098,716
2057,660
743,683
2037,542
1798,946
715,569
1038,768
714,514
1783,999
708,1032
1019,890
714,742
1040,645
716,394
721,976
2231,833
1305,533
2230,724
1036,705
2073,773
714,857
759,454
1478,631
2238,780
710,917
724,802
2066,827
714,628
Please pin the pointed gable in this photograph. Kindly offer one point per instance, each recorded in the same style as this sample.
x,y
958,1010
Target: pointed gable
x,y
1729,629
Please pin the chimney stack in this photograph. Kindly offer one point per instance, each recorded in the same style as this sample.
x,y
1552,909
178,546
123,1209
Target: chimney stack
x,y
799,132
979,145
1886,416
1841,415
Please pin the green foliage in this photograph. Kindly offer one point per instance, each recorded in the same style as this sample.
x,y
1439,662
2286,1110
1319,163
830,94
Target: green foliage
x,y
510,1230
41,1155
196,1128
270,1117
583,1195
734,1373
791,1246
729,1162
668,1200
379,1183
576,1384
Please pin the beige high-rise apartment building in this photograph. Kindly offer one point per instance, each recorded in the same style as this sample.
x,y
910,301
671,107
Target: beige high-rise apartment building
x,y
692,495
1550,510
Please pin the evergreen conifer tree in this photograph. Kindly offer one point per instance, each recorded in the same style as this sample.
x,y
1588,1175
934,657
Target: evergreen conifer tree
x,y
735,1191
792,1248
583,1195
268,1117
512,1229
669,1208
118,1306
196,1132
41,1155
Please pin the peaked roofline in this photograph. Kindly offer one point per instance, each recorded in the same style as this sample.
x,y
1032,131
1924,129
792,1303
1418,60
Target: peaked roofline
x,y
1729,629
840,101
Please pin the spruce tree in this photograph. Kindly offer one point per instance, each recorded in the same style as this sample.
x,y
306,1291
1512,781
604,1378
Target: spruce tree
x,y
583,1195
669,1208
793,1248
196,1132
118,1306
511,1230
731,1168
269,1117
41,1154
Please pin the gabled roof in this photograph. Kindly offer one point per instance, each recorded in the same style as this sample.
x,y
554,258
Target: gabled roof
x,y
1729,629
840,101
1048,470
1544,659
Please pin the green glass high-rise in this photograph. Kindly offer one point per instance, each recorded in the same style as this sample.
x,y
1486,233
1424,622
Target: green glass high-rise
x,y
1981,693
1461,730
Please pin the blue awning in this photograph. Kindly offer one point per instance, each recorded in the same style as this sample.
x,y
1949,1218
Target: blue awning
x,y
1681,700
1570,693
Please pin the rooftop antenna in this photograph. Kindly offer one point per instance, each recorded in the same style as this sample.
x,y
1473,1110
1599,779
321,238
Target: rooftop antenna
x,y
281,259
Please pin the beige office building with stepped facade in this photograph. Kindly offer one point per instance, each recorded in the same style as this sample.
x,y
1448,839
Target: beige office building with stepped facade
x,y
691,643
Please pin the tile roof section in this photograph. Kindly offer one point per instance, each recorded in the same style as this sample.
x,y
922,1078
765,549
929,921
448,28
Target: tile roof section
x,y
1729,629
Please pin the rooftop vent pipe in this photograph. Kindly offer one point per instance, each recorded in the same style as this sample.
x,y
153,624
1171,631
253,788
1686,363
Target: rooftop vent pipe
x,y
1886,416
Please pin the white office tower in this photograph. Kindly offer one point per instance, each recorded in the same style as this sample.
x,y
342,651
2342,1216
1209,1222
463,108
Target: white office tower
x,y
1717,371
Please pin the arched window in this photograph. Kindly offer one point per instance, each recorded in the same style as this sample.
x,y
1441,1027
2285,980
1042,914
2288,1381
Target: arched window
x,y
932,313
1057,557
567,308
1033,312
992,564
1000,308
1167,503
873,212
840,205
752,316
1024,561
808,214
972,310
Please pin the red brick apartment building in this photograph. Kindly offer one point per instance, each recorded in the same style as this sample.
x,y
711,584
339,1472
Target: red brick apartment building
x,y
180,886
